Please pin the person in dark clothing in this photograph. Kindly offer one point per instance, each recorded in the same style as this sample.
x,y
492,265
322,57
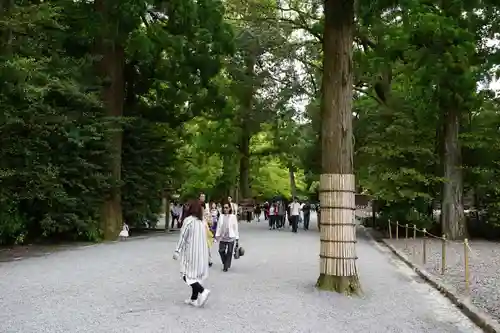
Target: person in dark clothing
x,y
306,209
266,211
258,211
289,215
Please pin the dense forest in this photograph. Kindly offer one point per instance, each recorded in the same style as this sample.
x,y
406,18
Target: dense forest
x,y
109,106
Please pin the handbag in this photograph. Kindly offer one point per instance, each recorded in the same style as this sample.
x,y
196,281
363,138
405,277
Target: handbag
x,y
239,252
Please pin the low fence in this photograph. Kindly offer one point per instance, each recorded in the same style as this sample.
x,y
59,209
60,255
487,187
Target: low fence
x,y
412,233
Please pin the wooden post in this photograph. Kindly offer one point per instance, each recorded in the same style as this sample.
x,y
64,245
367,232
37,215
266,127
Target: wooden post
x,y
424,248
414,231
397,230
390,230
406,235
443,255
374,215
466,264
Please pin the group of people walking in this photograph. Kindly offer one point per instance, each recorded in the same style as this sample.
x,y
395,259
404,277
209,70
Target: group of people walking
x,y
202,225
297,212
205,224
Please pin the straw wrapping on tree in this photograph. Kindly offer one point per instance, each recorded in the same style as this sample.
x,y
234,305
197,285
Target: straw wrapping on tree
x,y
338,230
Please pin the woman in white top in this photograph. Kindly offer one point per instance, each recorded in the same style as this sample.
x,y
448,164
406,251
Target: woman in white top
x,y
227,235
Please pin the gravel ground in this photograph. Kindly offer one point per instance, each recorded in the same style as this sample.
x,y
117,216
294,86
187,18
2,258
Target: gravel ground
x,y
484,268
135,287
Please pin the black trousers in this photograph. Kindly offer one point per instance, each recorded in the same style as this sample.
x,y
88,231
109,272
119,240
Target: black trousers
x,y
280,221
294,220
197,289
272,221
307,218
174,218
226,253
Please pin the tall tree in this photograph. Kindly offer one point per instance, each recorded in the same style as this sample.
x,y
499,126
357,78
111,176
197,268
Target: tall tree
x,y
111,52
338,271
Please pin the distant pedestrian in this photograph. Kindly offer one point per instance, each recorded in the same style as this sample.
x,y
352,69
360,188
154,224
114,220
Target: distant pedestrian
x,y
258,211
207,219
273,216
215,214
227,235
294,214
192,250
175,212
306,209
124,233
234,207
281,214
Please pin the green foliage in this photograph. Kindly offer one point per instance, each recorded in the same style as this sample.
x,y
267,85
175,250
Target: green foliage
x,y
54,156
210,84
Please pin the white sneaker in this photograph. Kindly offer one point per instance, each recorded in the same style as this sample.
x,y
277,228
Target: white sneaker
x,y
203,297
189,301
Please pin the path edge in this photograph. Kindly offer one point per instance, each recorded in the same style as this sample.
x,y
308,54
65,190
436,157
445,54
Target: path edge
x,y
484,321
83,246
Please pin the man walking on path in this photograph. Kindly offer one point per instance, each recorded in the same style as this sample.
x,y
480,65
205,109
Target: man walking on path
x,y
281,214
306,209
294,214
273,216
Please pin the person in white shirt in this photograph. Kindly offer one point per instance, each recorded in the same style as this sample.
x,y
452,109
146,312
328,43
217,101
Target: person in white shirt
x,y
227,235
272,216
294,214
176,212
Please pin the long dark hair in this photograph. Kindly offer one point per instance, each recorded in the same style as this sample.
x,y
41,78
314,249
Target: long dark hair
x,y
193,208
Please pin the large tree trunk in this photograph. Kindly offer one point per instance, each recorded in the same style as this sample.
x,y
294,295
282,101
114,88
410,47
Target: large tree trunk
x,y
6,32
246,129
111,69
293,184
452,208
245,191
338,270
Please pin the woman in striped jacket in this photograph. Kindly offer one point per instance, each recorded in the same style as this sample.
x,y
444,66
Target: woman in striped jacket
x,y
192,250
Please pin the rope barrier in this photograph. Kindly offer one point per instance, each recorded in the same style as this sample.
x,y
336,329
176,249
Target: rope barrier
x,y
467,250
423,231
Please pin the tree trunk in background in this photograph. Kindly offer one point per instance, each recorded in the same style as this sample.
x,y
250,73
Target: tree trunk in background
x,y
338,271
6,32
165,201
245,191
293,184
246,130
452,209
111,69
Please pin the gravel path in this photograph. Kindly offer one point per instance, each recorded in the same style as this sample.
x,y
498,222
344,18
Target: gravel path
x,y
135,287
484,266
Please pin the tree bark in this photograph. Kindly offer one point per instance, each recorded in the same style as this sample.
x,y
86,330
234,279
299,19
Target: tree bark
x,y
6,32
166,207
245,191
111,70
293,184
452,209
246,129
338,271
